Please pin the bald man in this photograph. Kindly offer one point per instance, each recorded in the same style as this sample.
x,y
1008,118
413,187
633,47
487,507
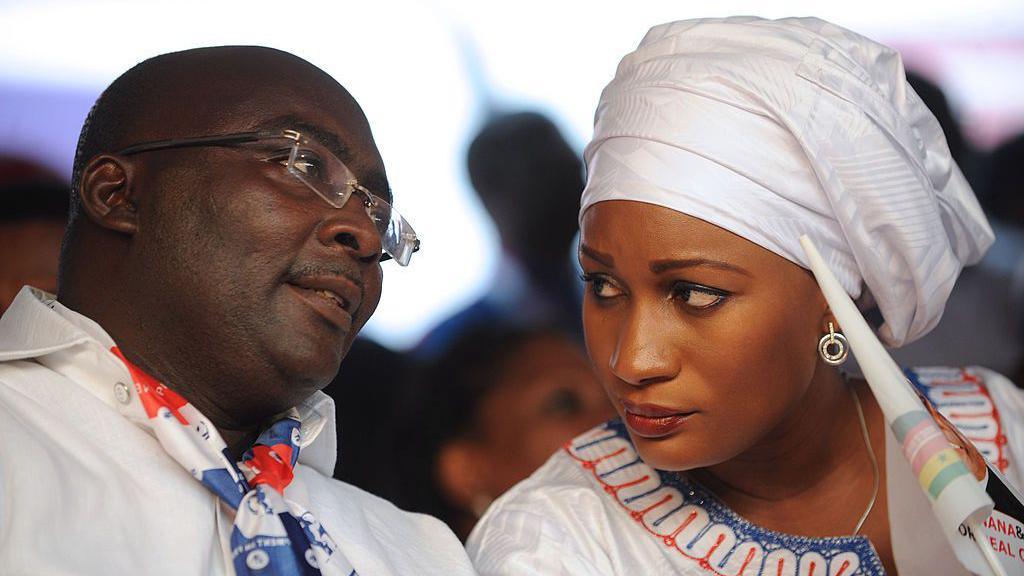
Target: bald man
x,y
162,414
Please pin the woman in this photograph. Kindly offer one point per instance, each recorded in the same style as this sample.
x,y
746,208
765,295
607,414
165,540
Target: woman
x,y
741,448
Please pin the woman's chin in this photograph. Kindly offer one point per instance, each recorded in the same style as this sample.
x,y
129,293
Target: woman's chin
x,y
673,454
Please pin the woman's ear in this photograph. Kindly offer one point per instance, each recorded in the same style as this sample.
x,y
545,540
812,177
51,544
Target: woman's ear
x,y
829,318
106,193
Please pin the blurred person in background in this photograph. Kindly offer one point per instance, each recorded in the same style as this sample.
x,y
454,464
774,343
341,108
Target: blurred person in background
x,y
1004,201
1004,197
529,180
960,148
487,413
35,210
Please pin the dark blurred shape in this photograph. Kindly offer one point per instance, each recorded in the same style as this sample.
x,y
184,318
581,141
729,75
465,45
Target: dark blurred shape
x,y
1005,194
30,191
32,220
365,392
1005,202
529,179
978,326
486,414
935,99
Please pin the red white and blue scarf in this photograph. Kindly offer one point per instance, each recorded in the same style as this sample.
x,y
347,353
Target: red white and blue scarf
x,y
271,535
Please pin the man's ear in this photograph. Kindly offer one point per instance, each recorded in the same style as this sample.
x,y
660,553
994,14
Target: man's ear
x,y
107,195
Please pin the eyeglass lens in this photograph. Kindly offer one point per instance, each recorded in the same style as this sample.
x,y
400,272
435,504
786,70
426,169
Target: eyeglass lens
x,y
320,170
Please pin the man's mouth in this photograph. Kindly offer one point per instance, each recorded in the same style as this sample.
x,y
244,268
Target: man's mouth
x,y
334,297
328,295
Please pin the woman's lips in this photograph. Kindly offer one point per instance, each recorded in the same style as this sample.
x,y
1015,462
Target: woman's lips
x,y
652,420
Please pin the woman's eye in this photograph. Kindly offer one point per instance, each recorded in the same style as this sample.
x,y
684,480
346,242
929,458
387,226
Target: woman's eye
x,y
697,296
601,287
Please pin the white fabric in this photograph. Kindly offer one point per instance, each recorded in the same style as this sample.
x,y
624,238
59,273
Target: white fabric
x,y
777,128
86,489
561,521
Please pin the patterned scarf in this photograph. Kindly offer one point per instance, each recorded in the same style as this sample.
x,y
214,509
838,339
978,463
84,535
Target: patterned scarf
x,y
271,534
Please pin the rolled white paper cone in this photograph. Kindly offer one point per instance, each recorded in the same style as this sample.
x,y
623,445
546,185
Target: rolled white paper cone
x,y
963,499
990,555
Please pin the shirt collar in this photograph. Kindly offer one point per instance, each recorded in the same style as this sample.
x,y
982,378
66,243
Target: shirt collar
x,y
36,326
32,327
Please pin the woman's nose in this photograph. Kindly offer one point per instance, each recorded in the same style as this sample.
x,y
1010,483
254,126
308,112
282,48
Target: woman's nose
x,y
644,353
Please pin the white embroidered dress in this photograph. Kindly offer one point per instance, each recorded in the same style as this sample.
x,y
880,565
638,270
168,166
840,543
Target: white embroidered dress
x,y
596,509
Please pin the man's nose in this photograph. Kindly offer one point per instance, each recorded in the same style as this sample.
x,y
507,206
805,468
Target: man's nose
x,y
350,227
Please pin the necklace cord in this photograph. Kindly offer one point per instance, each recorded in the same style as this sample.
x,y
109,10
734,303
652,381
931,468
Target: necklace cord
x,y
871,456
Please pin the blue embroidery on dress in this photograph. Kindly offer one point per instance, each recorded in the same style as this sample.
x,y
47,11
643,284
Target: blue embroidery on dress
x,y
694,495
624,466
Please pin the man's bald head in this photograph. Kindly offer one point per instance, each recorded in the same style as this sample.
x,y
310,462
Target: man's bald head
x,y
195,92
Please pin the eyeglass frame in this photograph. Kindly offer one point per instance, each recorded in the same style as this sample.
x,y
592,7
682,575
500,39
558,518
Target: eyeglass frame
x,y
257,135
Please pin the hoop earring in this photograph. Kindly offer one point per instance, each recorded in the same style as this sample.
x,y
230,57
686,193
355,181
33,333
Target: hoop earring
x,y
832,347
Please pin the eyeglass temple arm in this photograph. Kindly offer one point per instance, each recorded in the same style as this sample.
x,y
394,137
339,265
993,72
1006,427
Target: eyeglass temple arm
x,y
189,142
384,257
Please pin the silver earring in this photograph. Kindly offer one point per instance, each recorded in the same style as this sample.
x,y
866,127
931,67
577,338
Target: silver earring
x,y
832,347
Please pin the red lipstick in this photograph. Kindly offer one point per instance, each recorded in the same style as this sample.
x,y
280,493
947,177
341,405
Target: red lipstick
x,y
652,420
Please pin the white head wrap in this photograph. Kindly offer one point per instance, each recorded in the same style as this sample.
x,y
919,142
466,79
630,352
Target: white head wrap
x,y
776,128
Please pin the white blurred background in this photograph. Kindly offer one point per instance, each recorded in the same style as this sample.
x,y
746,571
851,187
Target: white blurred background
x,y
423,70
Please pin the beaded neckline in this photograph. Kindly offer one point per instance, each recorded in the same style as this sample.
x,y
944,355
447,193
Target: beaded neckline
x,y
658,500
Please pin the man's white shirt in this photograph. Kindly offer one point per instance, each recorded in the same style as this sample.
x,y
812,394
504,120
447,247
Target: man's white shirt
x,y
85,488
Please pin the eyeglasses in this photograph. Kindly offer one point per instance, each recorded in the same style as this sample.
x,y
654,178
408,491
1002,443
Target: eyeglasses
x,y
311,163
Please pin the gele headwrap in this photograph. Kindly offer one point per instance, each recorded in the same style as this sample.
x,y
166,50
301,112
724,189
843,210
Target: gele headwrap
x,y
772,129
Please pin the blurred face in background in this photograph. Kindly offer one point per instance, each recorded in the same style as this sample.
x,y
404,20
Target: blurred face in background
x,y
546,395
541,394
30,253
32,221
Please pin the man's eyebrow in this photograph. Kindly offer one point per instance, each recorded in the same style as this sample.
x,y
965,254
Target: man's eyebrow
x,y
332,141
375,180
659,266
599,257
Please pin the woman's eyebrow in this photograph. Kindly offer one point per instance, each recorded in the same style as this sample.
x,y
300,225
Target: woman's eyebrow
x,y
599,257
659,266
